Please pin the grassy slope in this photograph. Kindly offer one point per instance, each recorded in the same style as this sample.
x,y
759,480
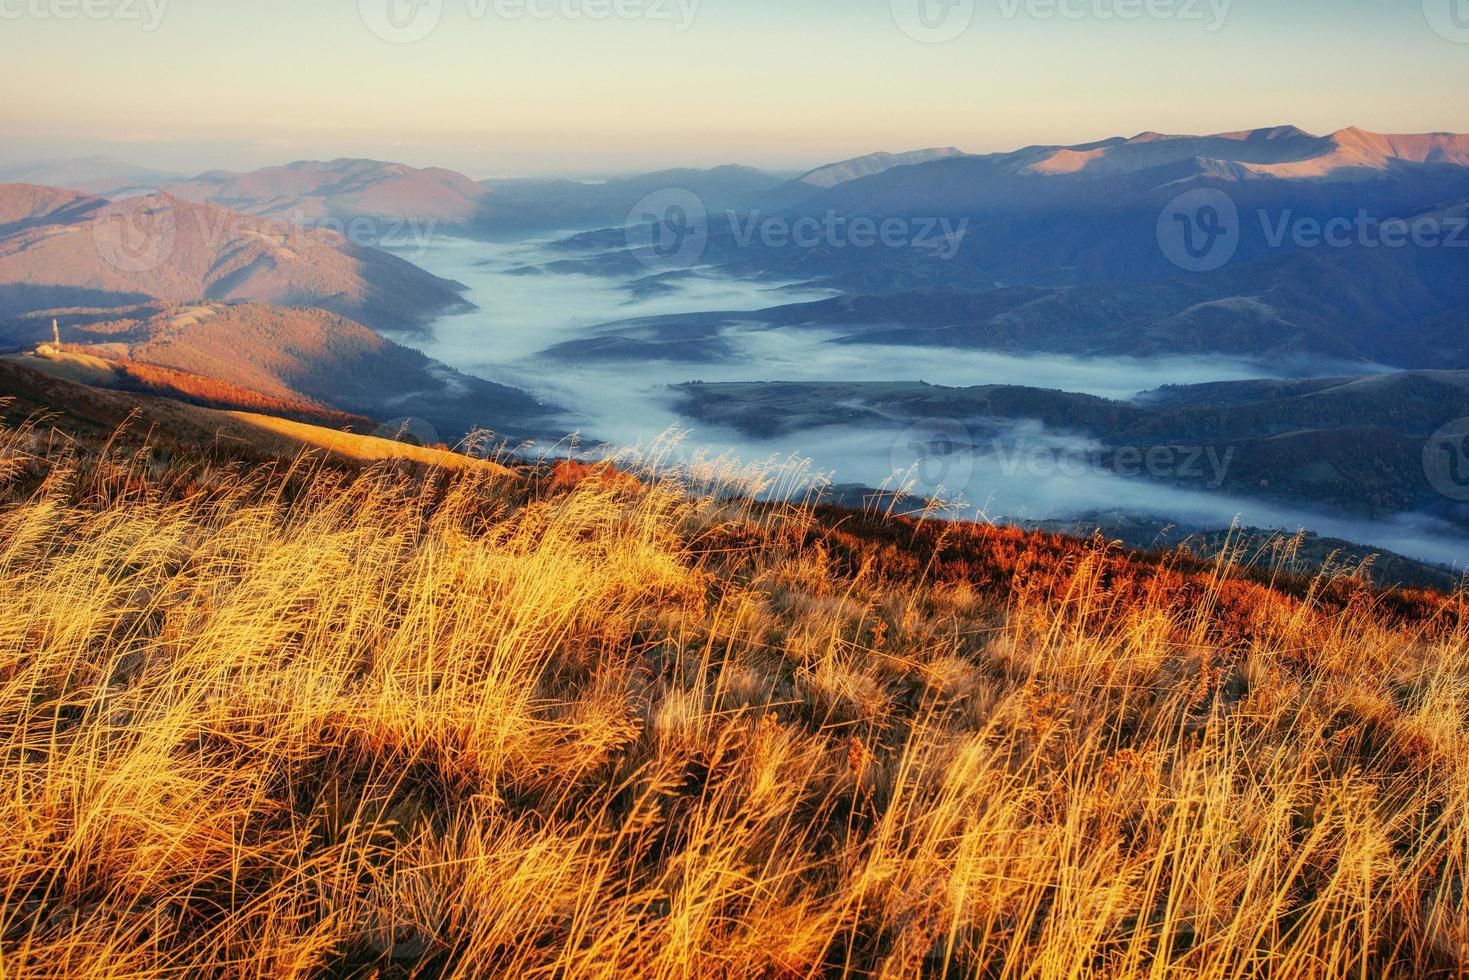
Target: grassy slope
x,y
307,362
194,389
79,409
283,725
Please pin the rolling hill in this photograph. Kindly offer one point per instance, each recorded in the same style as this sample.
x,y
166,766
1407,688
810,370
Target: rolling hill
x,y
311,191
61,250
308,358
383,200
54,403
24,206
180,386
304,721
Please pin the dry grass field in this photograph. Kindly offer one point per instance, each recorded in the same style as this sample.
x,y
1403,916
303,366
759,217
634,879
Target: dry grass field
x,y
304,721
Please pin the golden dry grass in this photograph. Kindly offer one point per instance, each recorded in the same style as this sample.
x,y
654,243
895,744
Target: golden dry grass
x,y
305,723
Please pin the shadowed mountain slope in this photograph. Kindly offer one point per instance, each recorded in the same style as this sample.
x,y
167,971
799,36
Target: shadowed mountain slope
x,y
81,251
298,356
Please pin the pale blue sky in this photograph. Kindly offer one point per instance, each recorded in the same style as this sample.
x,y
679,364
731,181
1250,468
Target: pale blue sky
x,y
774,83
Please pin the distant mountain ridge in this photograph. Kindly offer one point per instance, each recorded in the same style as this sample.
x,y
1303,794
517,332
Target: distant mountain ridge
x,y
1287,152
530,204
99,175
1106,175
348,188
874,163
437,199
312,191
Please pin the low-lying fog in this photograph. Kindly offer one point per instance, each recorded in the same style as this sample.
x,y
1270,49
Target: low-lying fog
x,y
626,403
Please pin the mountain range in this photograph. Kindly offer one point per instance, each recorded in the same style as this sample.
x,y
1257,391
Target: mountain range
x,y
311,192
99,175
1061,251
1286,152
1406,308
65,249
943,180
344,190
222,291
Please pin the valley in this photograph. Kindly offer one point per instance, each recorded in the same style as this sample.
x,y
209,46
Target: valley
x,y
1014,369
543,332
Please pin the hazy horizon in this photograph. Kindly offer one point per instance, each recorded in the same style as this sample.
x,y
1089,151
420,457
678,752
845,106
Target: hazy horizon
x,y
507,88
168,160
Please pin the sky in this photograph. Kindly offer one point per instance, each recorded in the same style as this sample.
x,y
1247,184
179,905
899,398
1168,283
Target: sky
x,y
602,87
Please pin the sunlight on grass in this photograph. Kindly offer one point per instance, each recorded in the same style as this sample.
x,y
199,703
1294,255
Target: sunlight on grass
x,y
302,721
